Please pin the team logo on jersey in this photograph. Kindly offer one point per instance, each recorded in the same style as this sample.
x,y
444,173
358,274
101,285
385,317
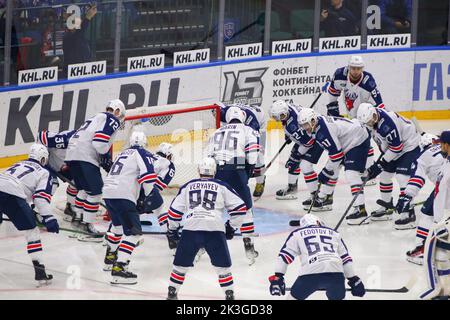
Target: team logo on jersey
x,y
229,30
244,87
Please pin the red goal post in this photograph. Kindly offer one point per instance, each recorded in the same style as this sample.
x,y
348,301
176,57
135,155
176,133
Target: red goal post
x,y
186,126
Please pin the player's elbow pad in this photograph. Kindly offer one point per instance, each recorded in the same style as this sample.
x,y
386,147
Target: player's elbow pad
x,y
43,207
101,147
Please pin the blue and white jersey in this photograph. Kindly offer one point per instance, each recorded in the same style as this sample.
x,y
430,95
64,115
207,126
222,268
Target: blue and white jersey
x,y
132,170
338,136
93,138
428,165
56,144
165,170
203,202
234,141
30,181
255,116
320,250
364,91
394,135
441,205
295,132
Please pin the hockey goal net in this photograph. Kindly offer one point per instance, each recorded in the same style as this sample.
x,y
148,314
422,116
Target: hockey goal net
x,y
186,126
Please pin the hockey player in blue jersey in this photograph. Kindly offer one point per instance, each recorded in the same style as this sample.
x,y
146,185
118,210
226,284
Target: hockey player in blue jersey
x,y
305,153
165,169
88,150
131,171
325,263
235,147
203,202
347,143
57,144
398,141
255,118
29,182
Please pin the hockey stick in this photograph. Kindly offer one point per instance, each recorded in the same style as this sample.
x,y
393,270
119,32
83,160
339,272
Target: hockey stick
x,y
406,288
250,235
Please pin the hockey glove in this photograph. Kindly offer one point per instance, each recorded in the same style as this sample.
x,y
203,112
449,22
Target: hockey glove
x,y
325,87
287,139
374,170
403,203
333,109
229,231
294,159
173,237
249,169
325,175
277,285
106,161
51,224
357,286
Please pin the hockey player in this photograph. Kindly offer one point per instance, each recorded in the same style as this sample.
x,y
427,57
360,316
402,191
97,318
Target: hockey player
x,y
88,149
24,183
347,143
325,263
398,141
437,245
428,165
131,171
255,118
305,153
235,147
57,144
203,202
165,169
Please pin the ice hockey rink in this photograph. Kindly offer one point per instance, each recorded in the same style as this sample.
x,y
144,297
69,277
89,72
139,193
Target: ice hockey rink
x,y
377,249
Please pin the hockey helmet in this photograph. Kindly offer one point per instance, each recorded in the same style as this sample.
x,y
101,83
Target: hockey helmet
x,y
115,105
138,138
235,113
207,167
279,110
166,150
310,220
307,118
356,61
367,114
39,153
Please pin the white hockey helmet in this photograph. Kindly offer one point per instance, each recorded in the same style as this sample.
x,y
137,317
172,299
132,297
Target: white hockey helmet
x,y
366,114
235,113
115,105
138,138
426,139
356,61
166,149
310,220
207,167
279,110
39,153
307,118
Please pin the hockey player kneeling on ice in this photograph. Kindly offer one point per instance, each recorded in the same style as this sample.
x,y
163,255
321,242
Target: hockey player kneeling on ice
x,y
28,182
437,245
203,202
255,119
347,142
235,148
429,165
131,171
57,144
305,153
398,141
89,149
325,263
165,169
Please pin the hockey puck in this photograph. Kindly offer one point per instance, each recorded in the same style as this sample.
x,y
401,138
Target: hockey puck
x,y
294,223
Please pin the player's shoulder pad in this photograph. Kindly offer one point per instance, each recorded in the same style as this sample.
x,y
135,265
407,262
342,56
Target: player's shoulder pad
x,y
341,74
387,125
368,82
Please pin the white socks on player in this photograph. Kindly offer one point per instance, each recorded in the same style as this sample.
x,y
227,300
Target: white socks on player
x,y
355,181
225,278
34,245
126,248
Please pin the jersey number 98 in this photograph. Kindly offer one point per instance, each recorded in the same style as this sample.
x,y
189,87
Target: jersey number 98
x,y
208,201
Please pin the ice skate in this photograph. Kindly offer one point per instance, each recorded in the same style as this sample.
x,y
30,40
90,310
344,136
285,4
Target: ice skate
x,y
288,193
110,259
250,251
416,255
259,189
406,221
229,295
40,275
358,217
172,294
321,204
92,234
384,212
121,275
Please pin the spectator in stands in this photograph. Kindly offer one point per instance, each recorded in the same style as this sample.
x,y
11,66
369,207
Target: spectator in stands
x,y
395,16
75,45
336,20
